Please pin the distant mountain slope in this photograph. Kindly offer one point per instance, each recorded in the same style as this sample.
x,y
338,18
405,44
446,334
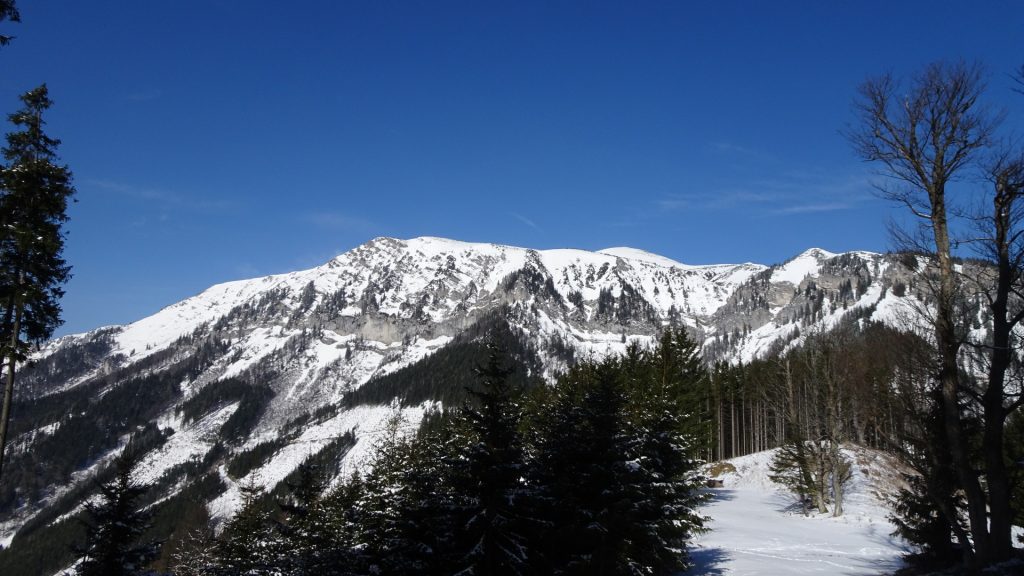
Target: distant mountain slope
x,y
282,366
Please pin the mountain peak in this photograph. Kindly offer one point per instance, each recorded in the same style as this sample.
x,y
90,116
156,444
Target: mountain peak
x,y
641,255
817,253
806,264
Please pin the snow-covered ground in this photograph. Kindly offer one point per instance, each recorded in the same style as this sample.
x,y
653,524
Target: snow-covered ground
x,y
755,531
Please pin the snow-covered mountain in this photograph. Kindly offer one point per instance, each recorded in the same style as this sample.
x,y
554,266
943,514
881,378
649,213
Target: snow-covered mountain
x,y
264,371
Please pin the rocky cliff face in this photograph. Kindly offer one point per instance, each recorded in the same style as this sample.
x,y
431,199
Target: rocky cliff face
x,y
270,365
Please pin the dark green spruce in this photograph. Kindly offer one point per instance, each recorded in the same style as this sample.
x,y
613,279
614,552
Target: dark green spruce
x,y
34,193
115,526
8,11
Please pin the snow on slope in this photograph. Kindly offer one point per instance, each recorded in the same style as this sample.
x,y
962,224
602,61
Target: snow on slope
x,y
443,278
804,265
187,442
485,264
439,278
754,530
642,255
10,527
369,421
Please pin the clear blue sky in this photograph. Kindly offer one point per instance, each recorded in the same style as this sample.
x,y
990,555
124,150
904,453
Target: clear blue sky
x,y
218,140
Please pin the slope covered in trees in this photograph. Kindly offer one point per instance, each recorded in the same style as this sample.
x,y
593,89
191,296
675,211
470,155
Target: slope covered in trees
x,y
485,490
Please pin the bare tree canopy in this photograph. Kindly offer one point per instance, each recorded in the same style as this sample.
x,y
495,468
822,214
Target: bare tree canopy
x,y
923,133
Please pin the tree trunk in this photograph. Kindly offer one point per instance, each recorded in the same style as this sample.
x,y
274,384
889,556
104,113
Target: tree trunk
x,y
949,380
858,428
800,444
837,480
721,424
822,476
997,477
12,360
732,423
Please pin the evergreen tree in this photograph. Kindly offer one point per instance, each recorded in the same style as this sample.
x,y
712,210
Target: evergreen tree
x,y
300,532
319,533
792,468
919,522
606,501
34,192
330,533
670,424
401,525
579,469
451,500
928,511
114,526
665,490
8,11
435,503
678,381
195,556
560,454
616,480
248,544
491,454
606,486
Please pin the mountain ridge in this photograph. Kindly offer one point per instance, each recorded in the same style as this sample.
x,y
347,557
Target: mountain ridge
x,y
162,321
624,252
274,358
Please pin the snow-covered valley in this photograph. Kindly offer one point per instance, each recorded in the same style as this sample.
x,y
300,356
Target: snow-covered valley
x,y
756,531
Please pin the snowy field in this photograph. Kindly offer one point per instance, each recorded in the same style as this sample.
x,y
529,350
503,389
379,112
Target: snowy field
x,y
755,531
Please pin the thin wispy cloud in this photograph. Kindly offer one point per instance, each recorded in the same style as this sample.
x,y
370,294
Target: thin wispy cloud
x,y
313,259
144,95
789,193
728,147
725,147
162,198
673,203
710,201
246,270
337,221
810,208
529,223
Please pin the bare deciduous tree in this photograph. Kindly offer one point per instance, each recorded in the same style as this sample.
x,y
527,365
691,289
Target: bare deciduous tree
x,y
926,134
1001,242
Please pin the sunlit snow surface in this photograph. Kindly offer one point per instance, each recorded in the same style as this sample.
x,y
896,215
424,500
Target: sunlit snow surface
x,y
424,264
804,265
754,531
